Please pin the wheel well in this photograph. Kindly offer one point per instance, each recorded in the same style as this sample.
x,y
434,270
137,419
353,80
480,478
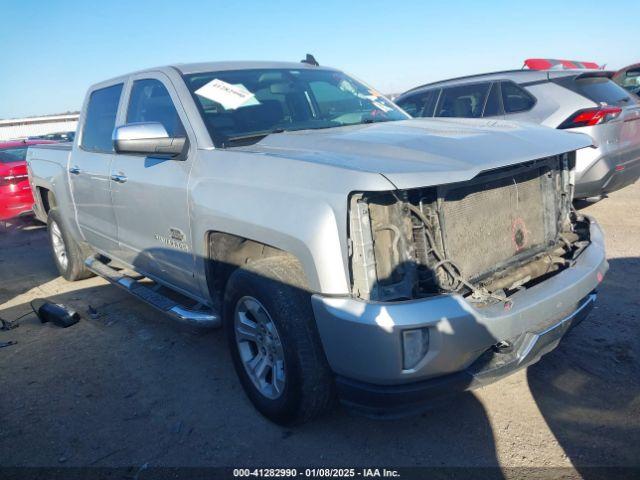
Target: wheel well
x,y
226,253
48,199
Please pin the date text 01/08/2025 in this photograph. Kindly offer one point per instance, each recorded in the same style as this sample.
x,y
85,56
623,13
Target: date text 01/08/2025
x,y
316,472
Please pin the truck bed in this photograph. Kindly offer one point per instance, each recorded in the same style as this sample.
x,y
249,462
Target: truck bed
x,y
47,166
66,146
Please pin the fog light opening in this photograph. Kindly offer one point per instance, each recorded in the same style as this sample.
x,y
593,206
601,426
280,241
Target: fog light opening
x,y
415,345
503,346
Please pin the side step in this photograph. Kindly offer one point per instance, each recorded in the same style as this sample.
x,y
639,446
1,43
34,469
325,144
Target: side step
x,y
195,317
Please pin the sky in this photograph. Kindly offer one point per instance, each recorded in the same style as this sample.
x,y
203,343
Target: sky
x,y
52,51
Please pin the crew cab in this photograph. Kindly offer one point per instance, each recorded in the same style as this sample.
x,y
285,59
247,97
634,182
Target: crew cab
x,y
349,251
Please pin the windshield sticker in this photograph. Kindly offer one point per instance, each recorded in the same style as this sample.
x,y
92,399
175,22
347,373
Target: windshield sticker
x,y
228,95
378,101
381,106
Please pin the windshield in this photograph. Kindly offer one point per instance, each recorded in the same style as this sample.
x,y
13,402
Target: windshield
x,y
242,106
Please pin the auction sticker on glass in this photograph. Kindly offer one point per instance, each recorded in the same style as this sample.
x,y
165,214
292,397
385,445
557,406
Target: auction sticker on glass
x,y
228,95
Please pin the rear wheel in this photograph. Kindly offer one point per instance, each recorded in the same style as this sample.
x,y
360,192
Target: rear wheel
x,y
68,255
274,342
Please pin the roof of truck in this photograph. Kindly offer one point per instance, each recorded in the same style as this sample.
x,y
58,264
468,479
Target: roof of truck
x,y
188,68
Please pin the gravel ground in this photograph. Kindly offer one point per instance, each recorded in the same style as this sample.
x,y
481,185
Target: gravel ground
x,y
131,387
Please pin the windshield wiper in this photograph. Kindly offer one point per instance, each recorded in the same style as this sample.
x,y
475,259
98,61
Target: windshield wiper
x,y
374,120
254,135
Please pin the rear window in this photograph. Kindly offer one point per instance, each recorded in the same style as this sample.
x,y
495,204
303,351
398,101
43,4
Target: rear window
x,y
420,104
463,101
602,90
9,155
101,119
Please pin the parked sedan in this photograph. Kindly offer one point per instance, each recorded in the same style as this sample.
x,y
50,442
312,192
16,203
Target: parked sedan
x,y
15,193
575,99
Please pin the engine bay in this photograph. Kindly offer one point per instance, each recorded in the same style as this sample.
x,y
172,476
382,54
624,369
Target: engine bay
x,y
485,239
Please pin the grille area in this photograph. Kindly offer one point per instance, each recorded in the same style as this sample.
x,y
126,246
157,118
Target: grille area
x,y
486,224
501,229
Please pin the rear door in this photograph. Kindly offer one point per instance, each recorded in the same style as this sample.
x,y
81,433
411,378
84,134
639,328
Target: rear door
x,y
151,198
90,168
466,101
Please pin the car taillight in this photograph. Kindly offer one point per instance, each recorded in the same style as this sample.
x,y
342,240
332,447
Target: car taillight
x,y
12,179
591,116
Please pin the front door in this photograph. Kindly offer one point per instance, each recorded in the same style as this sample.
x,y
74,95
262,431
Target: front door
x,y
150,193
90,168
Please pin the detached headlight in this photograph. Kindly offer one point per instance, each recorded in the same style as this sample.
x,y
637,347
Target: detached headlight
x,y
415,344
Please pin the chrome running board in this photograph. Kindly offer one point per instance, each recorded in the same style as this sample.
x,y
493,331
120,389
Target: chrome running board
x,y
199,316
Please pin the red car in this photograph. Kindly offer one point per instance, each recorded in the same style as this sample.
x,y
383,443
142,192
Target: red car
x,y
15,192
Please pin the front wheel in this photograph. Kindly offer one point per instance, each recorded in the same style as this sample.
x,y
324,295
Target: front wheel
x,y
274,342
68,255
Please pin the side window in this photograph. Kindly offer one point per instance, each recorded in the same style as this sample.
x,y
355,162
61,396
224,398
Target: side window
x,y
101,119
463,101
150,102
492,107
515,99
420,104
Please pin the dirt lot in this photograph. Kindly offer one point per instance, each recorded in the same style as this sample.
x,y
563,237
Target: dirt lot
x,y
131,387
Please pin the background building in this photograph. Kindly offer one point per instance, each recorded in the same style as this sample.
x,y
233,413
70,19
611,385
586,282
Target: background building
x,y
17,128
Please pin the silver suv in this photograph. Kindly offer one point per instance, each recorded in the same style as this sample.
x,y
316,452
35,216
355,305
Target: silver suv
x,y
585,101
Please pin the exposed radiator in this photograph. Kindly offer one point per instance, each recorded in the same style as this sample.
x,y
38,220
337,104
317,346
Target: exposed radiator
x,y
486,224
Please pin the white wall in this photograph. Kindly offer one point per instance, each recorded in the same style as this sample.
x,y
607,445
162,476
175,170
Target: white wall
x,y
25,129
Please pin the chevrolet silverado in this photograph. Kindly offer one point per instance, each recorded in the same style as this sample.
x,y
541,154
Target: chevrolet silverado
x,y
349,251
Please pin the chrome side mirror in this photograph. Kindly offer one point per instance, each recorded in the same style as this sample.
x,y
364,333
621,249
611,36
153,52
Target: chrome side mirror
x,y
147,139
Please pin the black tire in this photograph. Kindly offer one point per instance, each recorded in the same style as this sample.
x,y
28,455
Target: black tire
x,y
76,254
278,283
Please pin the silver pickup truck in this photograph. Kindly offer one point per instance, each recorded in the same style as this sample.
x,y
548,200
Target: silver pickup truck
x,y
350,252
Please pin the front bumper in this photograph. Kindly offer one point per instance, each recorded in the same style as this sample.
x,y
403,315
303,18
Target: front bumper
x,y
397,400
362,340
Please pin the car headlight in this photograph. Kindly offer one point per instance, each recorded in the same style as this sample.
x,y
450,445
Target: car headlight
x,y
415,344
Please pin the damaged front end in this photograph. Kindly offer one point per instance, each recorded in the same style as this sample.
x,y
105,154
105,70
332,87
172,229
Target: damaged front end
x,y
503,231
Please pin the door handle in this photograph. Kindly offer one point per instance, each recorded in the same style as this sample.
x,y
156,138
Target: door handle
x,y
120,178
75,170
